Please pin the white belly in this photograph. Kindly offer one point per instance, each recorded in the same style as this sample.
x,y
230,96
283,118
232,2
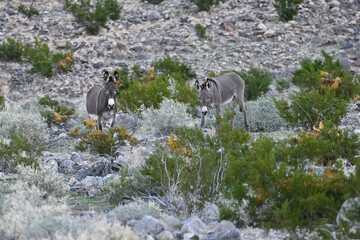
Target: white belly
x,y
108,116
228,100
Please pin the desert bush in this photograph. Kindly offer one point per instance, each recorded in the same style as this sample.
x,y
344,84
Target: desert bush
x,y
287,9
150,90
31,11
320,74
192,165
282,84
23,118
2,103
278,187
308,108
92,17
200,30
135,211
100,141
257,82
129,183
43,59
324,146
11,50
153,1
37,195
19,151
262,115
326,89
167,117
204,5
58,114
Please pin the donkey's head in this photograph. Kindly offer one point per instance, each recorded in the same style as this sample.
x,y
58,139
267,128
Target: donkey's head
x,y
204,95
110,88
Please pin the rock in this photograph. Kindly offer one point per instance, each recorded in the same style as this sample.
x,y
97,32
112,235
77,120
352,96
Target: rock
x,y
153,16
357,103
320,41
348,211
173,222
66,166
340,29
148,224
91,181
269,33
98,169
164,235
228,26
193,225
224,226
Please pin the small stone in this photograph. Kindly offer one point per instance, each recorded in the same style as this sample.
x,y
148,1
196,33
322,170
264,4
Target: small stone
x,y
98,65
149,224
193,225
164,235
269,33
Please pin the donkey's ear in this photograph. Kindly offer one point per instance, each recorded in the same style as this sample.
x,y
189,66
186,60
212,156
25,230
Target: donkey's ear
x,y
197,85
105,74
207,83
116,76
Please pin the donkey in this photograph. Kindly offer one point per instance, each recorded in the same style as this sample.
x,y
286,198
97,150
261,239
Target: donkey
x,y
221,90
102,102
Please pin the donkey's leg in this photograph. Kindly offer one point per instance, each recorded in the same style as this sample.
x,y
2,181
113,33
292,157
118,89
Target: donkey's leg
x,y
113,120
231,107
243,110
100,122
218,113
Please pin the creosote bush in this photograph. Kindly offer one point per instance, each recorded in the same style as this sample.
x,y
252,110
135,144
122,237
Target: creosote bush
x,y
100,141
200,30
287,9
168,78
31,11
43,60
19,151
326,89
257,81
11,50
92,17
167,117
192,165
204,5
278,189
58,114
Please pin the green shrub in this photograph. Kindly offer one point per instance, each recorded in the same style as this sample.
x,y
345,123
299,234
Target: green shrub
x,y
282,84
326,89
276,185
28,12
320,74
173,67
308,108
257,82
100,141
58,114
192,165
2,103
262,115
11,50
204,5
138,91
19,151
200,30
94,17
167,117
153,1
43,60
287,9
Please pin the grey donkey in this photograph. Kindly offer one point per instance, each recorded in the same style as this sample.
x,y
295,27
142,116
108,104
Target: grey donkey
x,y
221,90
102,101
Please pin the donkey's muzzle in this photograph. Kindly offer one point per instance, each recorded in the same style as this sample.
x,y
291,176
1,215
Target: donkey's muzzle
x,y
204,110
111,103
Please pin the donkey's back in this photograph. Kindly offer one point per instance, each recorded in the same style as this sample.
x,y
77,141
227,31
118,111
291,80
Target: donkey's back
x,y
91,99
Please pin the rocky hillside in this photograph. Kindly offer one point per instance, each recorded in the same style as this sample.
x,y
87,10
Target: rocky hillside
x,y
239,34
